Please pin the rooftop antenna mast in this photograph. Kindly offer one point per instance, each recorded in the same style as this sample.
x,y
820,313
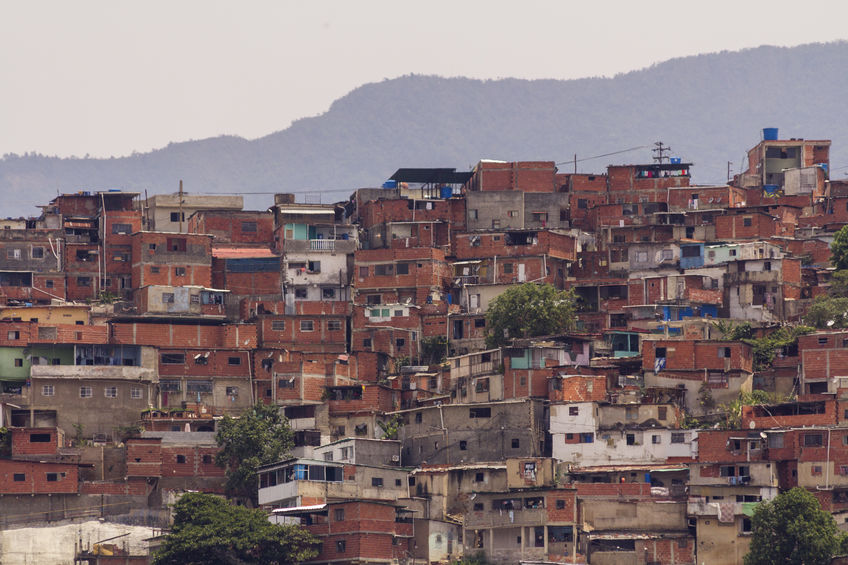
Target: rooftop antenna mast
x,y
660,151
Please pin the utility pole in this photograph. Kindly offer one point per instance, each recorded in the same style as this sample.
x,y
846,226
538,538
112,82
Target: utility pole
x,y
729,163
660,149
575,163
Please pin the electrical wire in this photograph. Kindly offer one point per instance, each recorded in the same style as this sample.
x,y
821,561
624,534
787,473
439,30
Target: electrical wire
x,y
604,155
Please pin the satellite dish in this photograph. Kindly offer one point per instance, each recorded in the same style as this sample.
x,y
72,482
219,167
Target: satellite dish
x,y
829,323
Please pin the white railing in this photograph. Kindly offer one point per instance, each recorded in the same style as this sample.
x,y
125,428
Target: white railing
x,y
322,245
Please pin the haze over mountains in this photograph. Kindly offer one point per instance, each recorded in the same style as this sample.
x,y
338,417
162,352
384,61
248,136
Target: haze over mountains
x,y
709,108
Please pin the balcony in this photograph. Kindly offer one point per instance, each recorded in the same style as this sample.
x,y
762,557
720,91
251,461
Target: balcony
x,y
319,245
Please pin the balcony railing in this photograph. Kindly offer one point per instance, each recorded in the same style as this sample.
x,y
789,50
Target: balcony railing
x,y
322,245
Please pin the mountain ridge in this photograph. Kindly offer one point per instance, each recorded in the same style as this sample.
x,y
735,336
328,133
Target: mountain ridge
x,y
709,108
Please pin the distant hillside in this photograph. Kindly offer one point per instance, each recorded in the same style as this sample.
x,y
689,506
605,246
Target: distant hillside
x,y
708,108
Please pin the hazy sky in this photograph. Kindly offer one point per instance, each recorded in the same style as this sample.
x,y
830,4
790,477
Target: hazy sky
x,y
111,77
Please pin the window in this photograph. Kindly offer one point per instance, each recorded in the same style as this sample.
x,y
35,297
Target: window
x,y
39,438
232,391
480,412
278,325
110,392
403,268
418,417
328,293
37,252
181,458
374,299
677,437
207,459
340,546
507,268
13,254
400,342
631,439
747,222
334,325
135,393
463,445
307,325
512,213
479,477
167,298
173,358
573,410
52,477
747,527
83,281
724,352
813,440
48,283
169,385
177,244
480,323
201,359
366,342
177,216
179,271
822,341
363,272
314,266
19,477
248,227
19,362
376,481
300,293
472,214
233,360
339,514
662,412
55,361
154,270
667,254
383,269
47,390
85,392
656,439
582,204
121,228
515,443
478,506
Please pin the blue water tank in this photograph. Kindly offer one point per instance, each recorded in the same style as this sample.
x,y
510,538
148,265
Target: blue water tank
x,y
769,134
390,184
446,192
771,188
824,168
675,160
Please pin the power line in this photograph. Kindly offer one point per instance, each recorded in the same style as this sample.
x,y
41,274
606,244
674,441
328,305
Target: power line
x,y
604,155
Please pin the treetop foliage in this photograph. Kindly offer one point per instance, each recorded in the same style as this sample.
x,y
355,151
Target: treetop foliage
x,y
209,531
529,310
794,530
259,436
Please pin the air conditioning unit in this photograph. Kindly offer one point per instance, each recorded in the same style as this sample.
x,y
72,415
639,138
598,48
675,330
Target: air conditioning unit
x,y
395,458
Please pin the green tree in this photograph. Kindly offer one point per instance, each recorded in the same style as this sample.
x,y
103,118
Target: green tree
x,y
828,312
207,531
528,310
259,436
839,249
792,529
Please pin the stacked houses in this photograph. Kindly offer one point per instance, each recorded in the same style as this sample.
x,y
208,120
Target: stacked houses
x,y
129,327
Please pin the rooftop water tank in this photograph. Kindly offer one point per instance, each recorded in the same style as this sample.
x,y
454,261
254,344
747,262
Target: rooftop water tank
x,y
769,134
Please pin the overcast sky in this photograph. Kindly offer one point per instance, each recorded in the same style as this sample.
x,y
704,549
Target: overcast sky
x,y
111,77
